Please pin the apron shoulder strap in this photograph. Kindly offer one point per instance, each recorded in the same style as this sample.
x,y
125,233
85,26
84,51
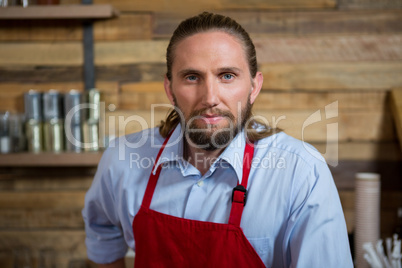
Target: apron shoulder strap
x,y
239,194
153,178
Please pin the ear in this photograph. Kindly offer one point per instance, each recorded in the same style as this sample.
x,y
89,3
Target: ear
x,y
168,89
257,85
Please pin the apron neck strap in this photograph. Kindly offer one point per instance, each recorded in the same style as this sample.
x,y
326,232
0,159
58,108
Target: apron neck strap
x,y
239,194
153,178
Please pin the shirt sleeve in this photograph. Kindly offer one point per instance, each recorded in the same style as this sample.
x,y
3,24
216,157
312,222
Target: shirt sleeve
x,y
104,236
316,234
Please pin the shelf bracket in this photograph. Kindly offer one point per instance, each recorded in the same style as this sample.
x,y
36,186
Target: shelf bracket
x,y
88,43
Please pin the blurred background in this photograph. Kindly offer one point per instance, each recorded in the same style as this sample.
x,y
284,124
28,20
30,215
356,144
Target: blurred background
x,y
332,69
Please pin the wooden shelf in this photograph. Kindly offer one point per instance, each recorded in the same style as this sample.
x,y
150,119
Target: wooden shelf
x,y
87,159
58,12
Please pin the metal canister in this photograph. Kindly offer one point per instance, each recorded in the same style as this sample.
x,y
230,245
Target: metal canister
x,y
17,135
93,98
73,120
33,123
53,121
91,124
4,132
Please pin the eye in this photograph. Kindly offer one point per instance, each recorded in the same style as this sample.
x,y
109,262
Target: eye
x,y
228,76
191,78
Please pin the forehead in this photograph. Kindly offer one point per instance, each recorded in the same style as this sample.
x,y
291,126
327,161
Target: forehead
x,y
212,47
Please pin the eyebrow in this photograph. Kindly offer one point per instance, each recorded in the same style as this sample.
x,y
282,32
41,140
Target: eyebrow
x,y
229,70
185,72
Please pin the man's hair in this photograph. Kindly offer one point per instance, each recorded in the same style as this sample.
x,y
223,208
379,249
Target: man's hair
x,y
206,22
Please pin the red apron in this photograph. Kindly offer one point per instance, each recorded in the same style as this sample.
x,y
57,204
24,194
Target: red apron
x,y
163,240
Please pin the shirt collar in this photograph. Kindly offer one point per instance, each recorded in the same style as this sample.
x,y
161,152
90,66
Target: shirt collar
x,y
173,150
233,154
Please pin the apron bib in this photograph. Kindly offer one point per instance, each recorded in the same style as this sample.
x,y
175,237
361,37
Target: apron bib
x,y
163,240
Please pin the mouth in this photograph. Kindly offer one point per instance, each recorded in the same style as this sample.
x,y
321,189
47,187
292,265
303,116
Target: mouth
x,y
212,119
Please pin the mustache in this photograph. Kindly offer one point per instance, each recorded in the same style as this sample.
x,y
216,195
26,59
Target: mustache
x,y
215,111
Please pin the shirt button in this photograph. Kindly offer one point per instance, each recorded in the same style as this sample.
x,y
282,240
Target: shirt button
x,y
200,183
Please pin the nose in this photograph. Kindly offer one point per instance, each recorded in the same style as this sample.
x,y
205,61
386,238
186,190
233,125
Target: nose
x,y
210,94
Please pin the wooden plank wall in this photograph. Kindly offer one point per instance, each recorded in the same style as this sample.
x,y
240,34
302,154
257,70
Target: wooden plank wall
x,y
343,55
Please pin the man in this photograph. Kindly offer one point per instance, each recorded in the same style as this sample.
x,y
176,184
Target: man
x,y
223,190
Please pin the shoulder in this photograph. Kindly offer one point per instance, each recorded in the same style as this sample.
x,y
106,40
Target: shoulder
x,y
294,161
146,137
291,148
142,140
301,167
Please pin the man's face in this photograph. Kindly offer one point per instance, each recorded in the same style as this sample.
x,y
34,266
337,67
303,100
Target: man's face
x,y
212,86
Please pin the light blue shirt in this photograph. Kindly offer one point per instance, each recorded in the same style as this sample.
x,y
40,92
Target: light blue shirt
x,y
293,216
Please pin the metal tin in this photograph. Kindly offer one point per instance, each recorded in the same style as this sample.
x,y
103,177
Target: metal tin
x,y
5,143
91,136
54,135
34,134
17,135
73,142
33,105
52,105
93,99
53,125
73,121
33,124
72,100
91,124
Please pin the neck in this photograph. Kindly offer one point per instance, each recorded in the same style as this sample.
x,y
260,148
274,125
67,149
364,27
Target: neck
x,y
199,158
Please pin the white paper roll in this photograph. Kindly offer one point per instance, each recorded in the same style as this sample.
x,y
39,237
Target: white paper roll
x,y
367,214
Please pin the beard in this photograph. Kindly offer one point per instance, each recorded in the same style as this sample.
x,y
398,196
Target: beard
x,y
211,137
